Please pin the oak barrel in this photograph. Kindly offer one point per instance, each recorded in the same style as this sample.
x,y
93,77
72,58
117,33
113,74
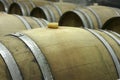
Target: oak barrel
x,y
14,23
25,7
91,17
53,11
4,4
113,24
65,53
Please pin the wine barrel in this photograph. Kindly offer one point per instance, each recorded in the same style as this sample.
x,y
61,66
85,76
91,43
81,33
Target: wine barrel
x,y
24,8
91,17
4,4
113,24
53,11
65,53
14,23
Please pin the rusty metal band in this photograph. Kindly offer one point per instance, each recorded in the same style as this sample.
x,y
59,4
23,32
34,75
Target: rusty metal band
x,y
10,62
82,18
58,9
52,16
46,13
38,22
27,25
88,18
109,48
118,35
97,17
39,56
112,36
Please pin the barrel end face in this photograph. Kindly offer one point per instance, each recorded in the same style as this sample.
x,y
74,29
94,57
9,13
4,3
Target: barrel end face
x,y
70,18
3,6
112,24
38,12
15,8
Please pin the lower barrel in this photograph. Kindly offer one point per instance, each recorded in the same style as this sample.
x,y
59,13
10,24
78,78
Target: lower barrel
x,y
65,53
14,23
91,17
113,24
53,11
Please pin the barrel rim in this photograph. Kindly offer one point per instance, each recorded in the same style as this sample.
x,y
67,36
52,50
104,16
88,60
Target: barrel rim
x,y
105,25
19,5
38,9
74,12
5,5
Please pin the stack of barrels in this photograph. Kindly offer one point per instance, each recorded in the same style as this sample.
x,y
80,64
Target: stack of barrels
x,y
49,40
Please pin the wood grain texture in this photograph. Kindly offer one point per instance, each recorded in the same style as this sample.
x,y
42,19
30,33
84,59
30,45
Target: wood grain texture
x,y
72,53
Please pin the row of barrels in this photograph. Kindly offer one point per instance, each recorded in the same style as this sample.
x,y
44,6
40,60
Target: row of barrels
x,y
16,23
60,52
93,17
36,54
4,4
21,7
67,14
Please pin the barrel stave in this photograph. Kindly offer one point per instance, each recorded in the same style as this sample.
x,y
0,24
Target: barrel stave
x,y
70,54
24,59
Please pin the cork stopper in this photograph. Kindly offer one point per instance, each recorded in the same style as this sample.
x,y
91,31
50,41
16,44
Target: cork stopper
x,y
53,25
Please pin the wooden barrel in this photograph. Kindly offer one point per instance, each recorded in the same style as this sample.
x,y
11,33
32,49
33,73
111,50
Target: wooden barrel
x,y
14,23
4,4
60,54
113,24
53,11
24,8
91,17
